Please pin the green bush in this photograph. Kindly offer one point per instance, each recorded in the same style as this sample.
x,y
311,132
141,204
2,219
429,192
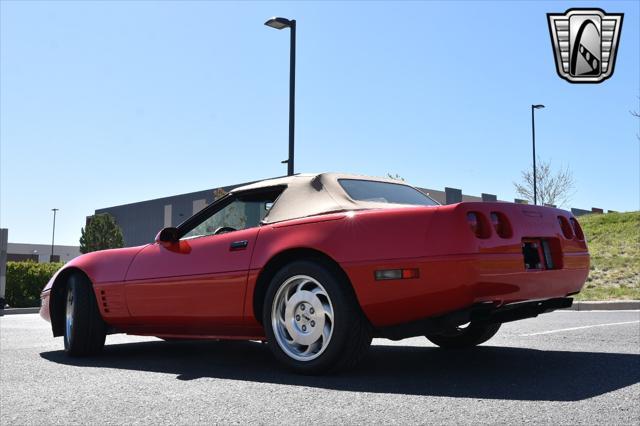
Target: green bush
x,y
25,281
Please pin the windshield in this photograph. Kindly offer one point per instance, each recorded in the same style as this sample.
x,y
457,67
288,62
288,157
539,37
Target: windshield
x,y
384,192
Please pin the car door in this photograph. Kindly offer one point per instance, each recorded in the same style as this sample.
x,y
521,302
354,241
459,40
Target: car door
x,y
196,285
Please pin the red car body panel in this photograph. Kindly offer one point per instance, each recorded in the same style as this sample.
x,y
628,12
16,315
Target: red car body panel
x,y
101,266
200,287
457,269
196,286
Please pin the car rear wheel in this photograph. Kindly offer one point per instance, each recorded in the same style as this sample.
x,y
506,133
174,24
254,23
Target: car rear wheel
x,y
84,331
312,320
466,337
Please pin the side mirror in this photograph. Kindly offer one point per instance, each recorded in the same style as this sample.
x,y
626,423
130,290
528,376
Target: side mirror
x,y
167,235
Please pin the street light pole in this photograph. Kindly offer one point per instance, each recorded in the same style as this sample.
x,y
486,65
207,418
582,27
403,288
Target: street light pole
x,y
53,237
533,134
280,23
292,97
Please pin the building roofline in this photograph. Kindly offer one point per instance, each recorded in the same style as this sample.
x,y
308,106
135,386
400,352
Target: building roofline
x,y
207,191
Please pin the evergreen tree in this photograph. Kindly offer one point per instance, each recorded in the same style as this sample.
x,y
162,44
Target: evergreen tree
x,y
102,233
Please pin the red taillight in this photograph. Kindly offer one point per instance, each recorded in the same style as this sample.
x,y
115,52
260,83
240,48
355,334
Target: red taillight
x,y
566,227
410,273
577,229
478,225
501,224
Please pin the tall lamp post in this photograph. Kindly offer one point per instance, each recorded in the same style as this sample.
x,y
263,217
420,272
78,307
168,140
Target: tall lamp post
x,y
278,24
533,134
53,237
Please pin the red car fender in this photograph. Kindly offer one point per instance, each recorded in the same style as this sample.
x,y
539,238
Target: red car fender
x,y
106,267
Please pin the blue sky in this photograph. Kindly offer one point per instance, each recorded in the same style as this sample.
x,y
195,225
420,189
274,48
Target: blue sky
x,y
107,103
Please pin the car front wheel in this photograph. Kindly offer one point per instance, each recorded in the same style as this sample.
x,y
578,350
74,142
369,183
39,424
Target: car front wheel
x,y
312,320
84,331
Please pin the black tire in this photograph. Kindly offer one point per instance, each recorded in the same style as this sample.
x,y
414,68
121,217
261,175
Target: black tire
x,y
87,332
467,337
351,331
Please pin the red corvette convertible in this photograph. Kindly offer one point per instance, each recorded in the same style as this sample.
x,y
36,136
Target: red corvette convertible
x,y
317,265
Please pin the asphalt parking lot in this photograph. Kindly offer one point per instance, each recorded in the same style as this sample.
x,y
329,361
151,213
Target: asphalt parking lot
x,y
563,367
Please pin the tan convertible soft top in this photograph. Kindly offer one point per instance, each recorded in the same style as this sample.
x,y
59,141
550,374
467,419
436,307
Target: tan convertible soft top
x,y
313,194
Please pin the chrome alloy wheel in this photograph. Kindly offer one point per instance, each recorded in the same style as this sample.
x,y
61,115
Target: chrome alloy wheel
x,y
69,314
302,318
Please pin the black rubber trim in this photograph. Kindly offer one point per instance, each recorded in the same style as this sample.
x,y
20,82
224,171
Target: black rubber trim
x,y
485,313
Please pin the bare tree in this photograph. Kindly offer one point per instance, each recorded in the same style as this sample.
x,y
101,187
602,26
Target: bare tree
x,y
395,177
552,187
636,114
219,193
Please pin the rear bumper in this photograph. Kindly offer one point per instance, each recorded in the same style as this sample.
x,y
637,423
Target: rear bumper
x,y
451,283
485,313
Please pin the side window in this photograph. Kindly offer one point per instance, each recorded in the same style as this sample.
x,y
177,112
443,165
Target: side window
x,y
242,213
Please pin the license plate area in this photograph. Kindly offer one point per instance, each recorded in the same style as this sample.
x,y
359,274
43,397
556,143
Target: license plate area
x,y
540,254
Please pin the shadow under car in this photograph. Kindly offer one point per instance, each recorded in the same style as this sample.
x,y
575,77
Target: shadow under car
x,y
482,372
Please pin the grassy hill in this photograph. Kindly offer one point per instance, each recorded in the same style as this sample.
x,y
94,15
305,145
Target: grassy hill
x,y
614,244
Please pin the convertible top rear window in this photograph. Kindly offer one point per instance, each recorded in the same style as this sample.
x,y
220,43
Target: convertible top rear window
x,y
384,192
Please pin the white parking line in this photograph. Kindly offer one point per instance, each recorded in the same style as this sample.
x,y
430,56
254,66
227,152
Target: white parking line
x,y
608,311
579,328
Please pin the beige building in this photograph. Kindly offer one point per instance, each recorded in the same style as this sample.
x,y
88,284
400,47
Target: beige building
x,y
40,252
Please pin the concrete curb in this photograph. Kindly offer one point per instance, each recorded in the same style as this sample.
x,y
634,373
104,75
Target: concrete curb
x,y
612,305
15,311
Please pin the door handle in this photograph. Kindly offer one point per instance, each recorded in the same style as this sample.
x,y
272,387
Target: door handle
x,y
239,245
